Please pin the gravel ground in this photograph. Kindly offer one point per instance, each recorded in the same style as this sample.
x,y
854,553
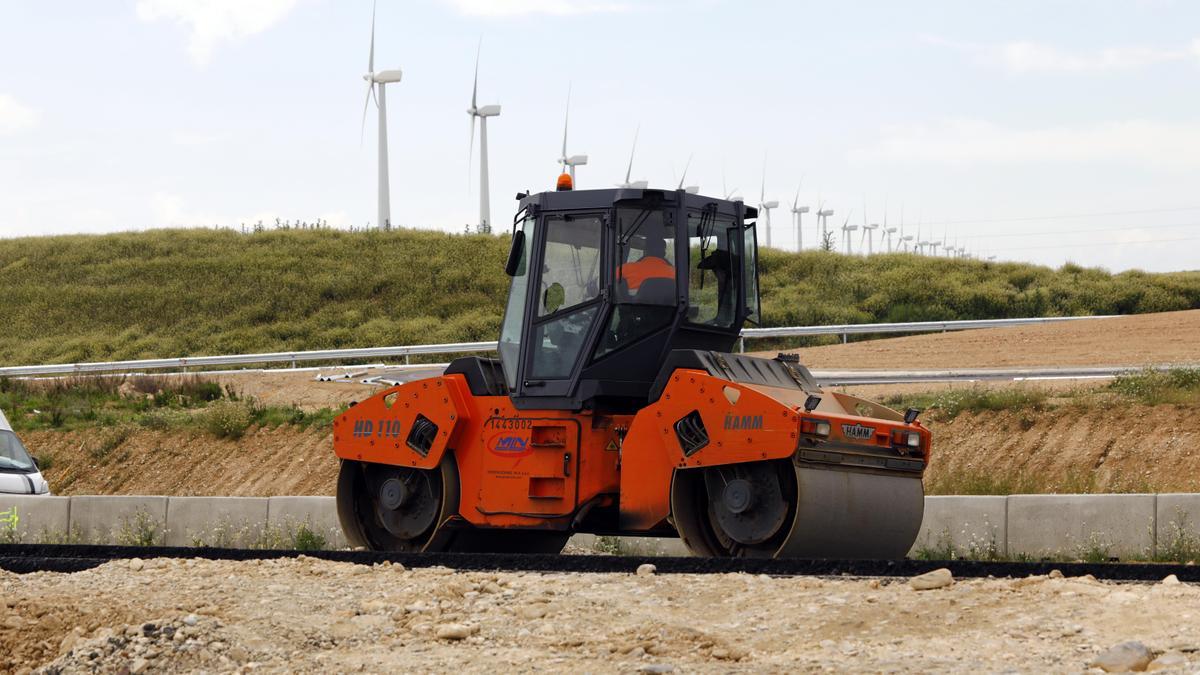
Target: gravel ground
x,y
306,615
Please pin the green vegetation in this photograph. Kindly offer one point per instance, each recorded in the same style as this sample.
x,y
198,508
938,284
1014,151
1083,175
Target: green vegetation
x,y
119,405
1156,387
948,404
187,292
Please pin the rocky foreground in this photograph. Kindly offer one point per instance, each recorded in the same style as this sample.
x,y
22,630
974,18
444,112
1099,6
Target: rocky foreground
x,y
307,615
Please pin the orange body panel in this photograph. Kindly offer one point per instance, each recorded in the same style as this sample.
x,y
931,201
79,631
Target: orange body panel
x,y
530,469
745,423
538,469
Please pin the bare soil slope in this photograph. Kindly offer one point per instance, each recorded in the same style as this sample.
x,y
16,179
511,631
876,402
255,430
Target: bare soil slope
x,y
281,461
1117,449
313,616
1147,339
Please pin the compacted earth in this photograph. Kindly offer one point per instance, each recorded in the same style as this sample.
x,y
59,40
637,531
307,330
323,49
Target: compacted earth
x,y
308,615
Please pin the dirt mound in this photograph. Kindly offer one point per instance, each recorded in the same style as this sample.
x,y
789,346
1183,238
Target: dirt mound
x,y
1147,339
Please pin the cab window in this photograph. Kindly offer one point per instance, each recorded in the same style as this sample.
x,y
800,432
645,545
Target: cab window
x,y
570,282
713,268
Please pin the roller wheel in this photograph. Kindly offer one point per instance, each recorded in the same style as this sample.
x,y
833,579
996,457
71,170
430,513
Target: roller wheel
x,y
738,510
782,510
392,508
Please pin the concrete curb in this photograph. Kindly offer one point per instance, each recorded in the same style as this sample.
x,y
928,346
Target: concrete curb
x,y
1123,525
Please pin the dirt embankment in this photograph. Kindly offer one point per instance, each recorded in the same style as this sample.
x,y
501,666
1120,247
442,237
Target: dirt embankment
x,y
1067,449
281,461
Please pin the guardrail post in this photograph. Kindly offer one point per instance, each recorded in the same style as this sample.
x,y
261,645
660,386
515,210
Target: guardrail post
x,y
741,345
845,338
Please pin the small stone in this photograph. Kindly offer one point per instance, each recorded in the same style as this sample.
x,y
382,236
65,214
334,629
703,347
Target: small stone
x,y
68,642
1055,574
532,612
191,620
939,578
646,570
136,564
1171,659
238,654
657,668
453,631
1124,657
138,666
1171,580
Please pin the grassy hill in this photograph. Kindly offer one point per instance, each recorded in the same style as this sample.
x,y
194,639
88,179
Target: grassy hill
x,y
188,292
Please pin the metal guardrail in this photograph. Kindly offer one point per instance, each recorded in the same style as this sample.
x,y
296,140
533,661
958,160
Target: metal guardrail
x,y
468,347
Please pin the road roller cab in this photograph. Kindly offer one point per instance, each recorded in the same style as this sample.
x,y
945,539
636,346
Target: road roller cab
x,y
615,407
606,283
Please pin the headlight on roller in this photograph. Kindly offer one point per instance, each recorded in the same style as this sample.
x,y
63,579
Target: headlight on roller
x,y
910,439
815,427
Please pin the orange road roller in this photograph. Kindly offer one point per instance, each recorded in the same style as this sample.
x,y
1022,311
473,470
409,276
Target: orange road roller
x,y
617,408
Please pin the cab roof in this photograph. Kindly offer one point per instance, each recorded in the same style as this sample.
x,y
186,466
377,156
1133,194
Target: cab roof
x,y
607,197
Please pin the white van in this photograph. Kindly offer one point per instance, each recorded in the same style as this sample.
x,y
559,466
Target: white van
x,y
19,474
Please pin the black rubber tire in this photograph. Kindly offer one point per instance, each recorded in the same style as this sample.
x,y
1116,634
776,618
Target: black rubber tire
x,y
356,510
695,524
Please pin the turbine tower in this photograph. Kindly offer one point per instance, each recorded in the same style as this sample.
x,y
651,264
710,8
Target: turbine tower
x,y
380,79
569,162
637,184
482,114
797,215
766,206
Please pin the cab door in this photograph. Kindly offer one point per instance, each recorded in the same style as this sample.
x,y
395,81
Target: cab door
x,y
566,303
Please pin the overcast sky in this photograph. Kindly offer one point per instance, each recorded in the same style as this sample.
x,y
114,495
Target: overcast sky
x,y
1038,130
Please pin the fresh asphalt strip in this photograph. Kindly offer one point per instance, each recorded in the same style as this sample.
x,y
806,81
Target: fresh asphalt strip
x,y
26,558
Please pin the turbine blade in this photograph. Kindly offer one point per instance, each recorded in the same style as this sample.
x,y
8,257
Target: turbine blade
x,y
470,153
566,123
475,86
686,166
371,58
629,169
762,194
362,132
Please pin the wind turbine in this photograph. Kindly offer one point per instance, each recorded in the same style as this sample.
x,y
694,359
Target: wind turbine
x,y
904,239
887,231
797,215
570,162
766,206
482,114
847,228
823,217
637,184
869,234
381,78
